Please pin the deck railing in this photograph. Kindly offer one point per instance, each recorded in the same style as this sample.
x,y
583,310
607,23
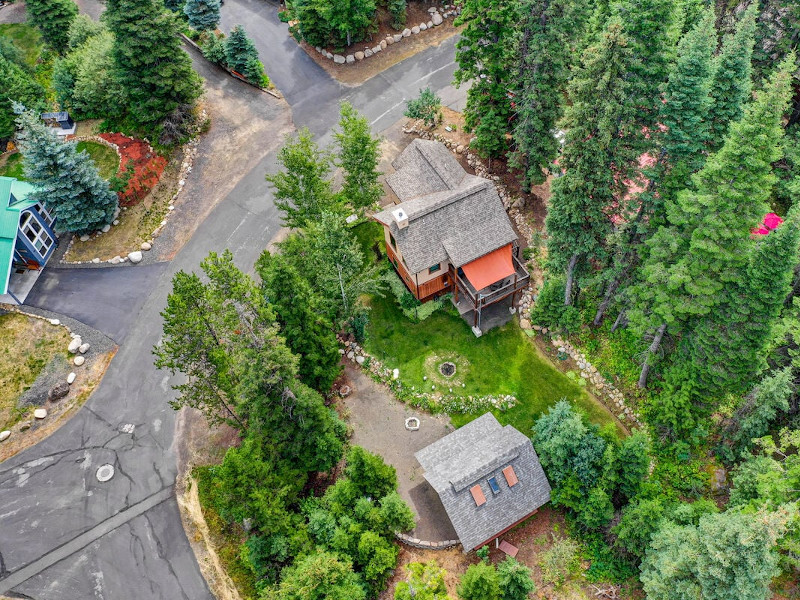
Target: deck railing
x,y
486,296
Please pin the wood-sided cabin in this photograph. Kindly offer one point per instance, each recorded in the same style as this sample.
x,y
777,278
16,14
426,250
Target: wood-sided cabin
x,y
450,232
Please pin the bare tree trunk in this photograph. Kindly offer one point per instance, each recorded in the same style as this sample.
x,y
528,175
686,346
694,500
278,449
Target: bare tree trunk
x,y
620,322
650,352
610,291
570,277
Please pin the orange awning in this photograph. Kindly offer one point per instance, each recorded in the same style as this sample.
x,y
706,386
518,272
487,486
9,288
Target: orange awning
x,y
490,268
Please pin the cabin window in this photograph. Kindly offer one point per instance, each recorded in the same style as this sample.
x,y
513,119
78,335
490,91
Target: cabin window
x,y
493,484
36,233
434,268
391,240
46,217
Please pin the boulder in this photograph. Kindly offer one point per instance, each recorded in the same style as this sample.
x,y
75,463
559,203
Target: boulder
x,y
40,413
78,360
4,435
406,32
349,59
71,378
360,360
422,26
367,53
395,373
328,55
58,391
116,260
383,44
524,323
351,355
429,25
115,222
96,261
55,322
397,37
84,238
84,348
106,228
376,49
74,345
359,55
146,246
415,29
390,40
433,9
338,59
460,149
437,19
135,256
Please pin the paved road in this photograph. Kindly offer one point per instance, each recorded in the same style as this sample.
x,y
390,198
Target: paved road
x,y
107,299
62,533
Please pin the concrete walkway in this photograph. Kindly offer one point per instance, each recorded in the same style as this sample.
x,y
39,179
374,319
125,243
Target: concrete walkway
x,y
378,422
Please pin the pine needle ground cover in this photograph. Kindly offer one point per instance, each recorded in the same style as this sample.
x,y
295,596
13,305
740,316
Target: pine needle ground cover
x,y
105,158
26,346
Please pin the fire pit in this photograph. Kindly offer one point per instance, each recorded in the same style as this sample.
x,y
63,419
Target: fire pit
x,y
447,369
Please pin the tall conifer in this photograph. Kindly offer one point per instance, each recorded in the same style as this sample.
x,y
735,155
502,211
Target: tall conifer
x,y
154,71
52,18
732,84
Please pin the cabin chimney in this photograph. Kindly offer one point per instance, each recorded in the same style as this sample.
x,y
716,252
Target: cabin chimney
x,y
400,217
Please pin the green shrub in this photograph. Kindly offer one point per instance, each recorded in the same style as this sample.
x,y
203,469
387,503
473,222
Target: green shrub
x,y
427,107
559,561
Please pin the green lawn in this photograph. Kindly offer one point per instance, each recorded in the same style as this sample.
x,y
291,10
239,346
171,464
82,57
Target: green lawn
x,y
502,361
26,38
13,167
106,159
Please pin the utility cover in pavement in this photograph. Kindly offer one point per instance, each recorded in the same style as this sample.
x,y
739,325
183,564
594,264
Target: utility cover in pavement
x,y
105,472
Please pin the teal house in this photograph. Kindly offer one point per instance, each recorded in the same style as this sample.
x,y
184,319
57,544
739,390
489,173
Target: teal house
x,y
27,239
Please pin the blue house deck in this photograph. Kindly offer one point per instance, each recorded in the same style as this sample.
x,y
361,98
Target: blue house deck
x,y
27,239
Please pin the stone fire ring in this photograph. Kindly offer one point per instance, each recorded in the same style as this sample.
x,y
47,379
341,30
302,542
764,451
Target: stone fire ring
x,y
412,423
448,369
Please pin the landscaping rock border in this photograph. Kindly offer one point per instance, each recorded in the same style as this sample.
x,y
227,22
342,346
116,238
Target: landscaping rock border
x,y
76,330
418,543
135,256
437,17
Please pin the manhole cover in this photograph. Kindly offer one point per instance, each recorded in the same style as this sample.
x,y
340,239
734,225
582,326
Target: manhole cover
x,y
447,369
105,472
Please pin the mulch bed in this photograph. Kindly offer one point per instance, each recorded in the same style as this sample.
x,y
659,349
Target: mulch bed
x,y
147,165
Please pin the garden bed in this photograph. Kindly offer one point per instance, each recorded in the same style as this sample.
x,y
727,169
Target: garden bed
x,y
147,166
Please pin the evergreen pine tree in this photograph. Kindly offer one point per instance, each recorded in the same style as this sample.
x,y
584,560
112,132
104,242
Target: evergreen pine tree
x,y
152,68
697,264
731,88
485,56
239,50
359,156
684,113
596,155
53,19
646,25
543,51
66,181
202,14
174,5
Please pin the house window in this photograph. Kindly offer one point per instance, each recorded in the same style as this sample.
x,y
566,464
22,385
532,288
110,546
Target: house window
x,y
492,481
36,234
46,217
391,240
434,268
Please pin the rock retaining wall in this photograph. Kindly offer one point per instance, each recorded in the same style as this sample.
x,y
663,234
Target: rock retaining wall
x,y
417,543
437,17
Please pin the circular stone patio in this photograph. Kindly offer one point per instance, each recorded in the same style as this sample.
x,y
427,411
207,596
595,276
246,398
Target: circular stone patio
x,y
378,422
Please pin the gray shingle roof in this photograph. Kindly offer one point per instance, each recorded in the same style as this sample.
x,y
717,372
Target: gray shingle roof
x,y
451,215
470,456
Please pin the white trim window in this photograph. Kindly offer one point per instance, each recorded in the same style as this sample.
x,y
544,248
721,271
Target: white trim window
x,y
46,217
36,233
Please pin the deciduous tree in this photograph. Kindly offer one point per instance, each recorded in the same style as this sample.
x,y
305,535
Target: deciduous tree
x,y
358,156
480,582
